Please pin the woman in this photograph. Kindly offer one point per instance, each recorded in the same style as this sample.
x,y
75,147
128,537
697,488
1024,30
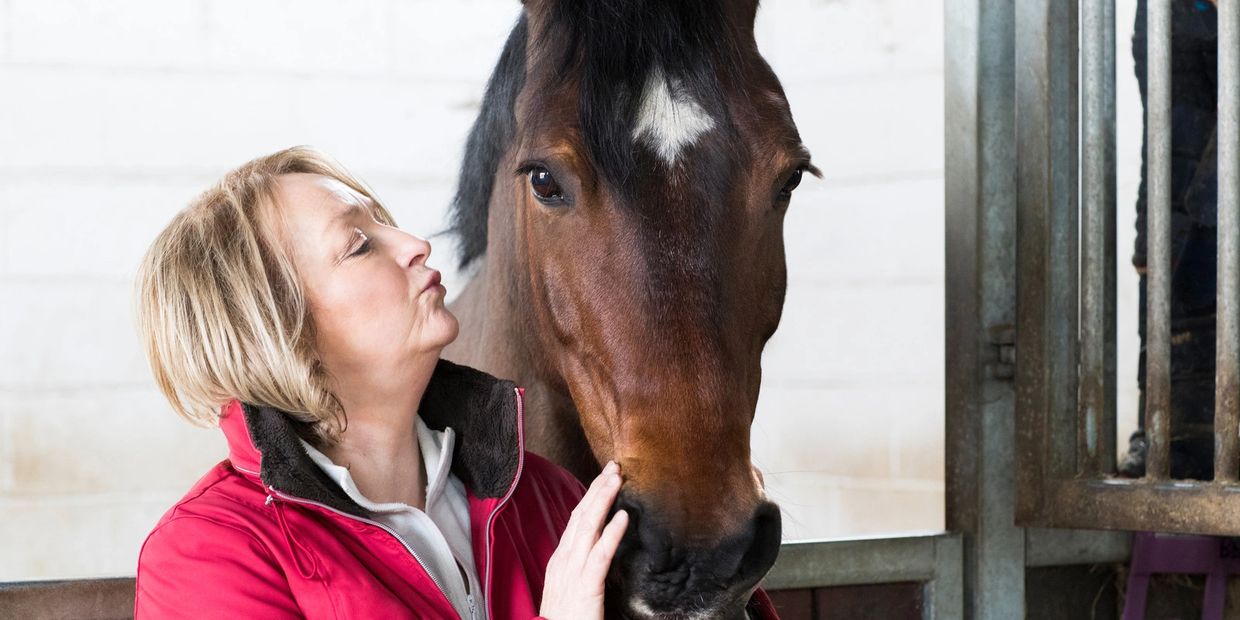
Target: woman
x,y
366,477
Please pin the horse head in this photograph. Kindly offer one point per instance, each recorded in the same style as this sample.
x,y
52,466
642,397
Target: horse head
x,y
629,176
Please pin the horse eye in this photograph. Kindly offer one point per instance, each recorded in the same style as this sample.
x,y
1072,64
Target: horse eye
x,y
792,183
545,186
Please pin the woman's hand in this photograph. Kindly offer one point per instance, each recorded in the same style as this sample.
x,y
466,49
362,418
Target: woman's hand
x,y
574,583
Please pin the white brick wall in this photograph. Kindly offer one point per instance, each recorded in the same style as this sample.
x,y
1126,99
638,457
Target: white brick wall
x,y
5,28
113,115
850,422
107,34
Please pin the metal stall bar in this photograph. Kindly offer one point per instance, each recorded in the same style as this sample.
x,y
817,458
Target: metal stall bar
x,y
1158,238
1227,375
1096,405
935,560
1183,507
1047,243
980,296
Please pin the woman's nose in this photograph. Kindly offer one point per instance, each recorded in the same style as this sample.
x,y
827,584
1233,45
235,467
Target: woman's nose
x,y
414,250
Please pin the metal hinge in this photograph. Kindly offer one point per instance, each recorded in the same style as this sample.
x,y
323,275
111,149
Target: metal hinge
x,y
1001,365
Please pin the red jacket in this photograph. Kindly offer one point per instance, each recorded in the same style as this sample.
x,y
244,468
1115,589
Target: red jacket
x,y
265,534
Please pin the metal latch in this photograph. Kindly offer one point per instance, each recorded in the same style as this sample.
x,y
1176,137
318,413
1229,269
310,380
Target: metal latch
x,y
1002,365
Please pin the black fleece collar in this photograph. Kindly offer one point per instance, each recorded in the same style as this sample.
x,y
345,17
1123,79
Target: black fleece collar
x,y
480,408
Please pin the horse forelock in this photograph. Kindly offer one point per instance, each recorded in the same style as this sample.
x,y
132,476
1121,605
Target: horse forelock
x,y
650,75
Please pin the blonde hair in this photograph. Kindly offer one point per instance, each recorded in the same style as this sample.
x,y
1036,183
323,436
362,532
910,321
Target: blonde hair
x,y
221,310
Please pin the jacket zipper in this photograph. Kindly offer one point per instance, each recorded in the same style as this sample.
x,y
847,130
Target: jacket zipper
x,y
486,590
381,526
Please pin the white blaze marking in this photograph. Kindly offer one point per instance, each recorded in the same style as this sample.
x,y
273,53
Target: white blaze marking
x,y
669,119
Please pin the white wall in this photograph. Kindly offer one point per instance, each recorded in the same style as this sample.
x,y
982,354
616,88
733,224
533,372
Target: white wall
x,y
1128,176
850,422
114,115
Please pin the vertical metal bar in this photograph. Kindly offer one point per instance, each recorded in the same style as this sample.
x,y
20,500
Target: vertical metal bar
x,y
1227,377
1031,399
947,588
1158,183
1064,249
1047,246
980,183
1095,407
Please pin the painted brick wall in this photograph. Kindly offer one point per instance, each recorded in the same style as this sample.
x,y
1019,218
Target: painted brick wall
x,y
113,115
849,426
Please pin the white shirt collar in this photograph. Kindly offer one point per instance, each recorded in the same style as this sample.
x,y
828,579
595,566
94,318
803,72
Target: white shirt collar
x,y
436,448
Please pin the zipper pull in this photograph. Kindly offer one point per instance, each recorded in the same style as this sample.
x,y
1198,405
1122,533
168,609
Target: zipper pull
x,y
269,500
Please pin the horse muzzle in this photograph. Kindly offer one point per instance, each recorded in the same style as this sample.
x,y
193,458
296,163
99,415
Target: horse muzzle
x,y
656,576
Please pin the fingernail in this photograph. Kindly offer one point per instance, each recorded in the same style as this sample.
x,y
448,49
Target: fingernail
x,y
611,467
613,480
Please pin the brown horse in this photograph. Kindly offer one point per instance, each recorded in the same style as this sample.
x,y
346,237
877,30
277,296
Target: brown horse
x,y
622,202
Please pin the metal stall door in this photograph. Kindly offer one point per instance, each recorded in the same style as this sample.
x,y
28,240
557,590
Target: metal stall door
x,y
1011,82
1018,326
1065,257
1065,337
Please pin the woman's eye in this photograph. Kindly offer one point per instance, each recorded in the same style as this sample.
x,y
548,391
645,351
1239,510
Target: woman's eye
x,y
792,183
544,185
362,248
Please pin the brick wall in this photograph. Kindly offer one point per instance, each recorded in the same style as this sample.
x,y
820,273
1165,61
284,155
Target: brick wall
x,y
849,426
113,115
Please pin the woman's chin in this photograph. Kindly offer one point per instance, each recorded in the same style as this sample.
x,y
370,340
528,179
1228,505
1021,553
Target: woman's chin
x,y
446,329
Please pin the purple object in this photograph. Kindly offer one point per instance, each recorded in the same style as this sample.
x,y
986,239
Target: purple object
x,y
1154,553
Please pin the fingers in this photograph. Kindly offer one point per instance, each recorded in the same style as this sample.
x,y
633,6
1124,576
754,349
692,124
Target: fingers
x,y
604,550
575,519
588,518
576,571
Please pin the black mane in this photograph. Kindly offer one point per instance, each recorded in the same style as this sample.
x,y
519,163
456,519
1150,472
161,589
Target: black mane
x,y
489,138
612,46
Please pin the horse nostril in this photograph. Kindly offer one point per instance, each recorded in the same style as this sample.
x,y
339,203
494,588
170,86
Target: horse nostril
x,y
763,546
630,542
655,570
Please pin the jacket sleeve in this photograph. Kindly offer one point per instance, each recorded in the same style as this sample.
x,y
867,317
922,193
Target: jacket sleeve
x,y
194,567
761,606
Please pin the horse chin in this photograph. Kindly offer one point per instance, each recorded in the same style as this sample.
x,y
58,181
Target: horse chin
x,y
636,608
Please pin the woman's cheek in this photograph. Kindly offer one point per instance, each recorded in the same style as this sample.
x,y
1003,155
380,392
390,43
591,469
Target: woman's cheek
x,y
370,294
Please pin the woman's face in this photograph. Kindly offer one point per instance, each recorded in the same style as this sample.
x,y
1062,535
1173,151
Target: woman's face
x,y
376,304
